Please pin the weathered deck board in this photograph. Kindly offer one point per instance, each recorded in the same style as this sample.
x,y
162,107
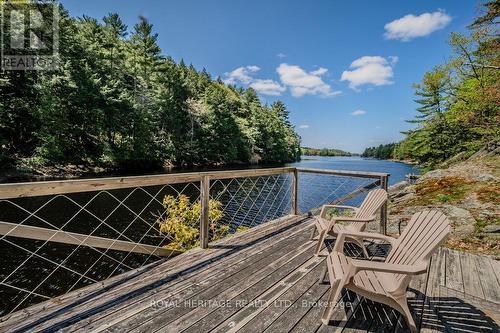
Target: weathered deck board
x,y
270,278
496,268
488,279
204,318
261,322
454,279
196,261
206,279
227,289
128,281
298,310
310,321
472,286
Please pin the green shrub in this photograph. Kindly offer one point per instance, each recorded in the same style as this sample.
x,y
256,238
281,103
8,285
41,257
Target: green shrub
x,y
181,222
443,197
331,212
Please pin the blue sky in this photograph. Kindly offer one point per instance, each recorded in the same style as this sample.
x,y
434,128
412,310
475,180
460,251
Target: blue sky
x,y
324,59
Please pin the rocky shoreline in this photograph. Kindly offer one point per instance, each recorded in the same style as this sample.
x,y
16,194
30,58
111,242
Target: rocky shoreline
x,y
468,192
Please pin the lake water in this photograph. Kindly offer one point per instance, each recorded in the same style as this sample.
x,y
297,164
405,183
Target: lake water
x,y
33,270
396,170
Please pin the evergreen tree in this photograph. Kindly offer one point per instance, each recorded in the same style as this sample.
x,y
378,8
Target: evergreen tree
x,y
116,101
459,101
383,152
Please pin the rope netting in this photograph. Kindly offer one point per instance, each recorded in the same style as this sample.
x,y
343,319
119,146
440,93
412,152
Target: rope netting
x,y
51,245
315,190
247,202
37,266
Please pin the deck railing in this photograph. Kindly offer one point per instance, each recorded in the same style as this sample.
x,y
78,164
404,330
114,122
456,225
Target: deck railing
x,y
58,236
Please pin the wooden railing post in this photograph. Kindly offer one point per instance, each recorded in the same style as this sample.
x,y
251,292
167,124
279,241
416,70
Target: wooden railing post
x,y
383,210
295,187
204,216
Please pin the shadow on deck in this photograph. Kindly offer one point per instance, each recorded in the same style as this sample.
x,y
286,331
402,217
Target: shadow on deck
x,y
265,279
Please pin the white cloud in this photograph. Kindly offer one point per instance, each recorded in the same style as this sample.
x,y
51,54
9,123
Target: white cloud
x,y
303,83
358,113
298,80
244,75
411,26
281,55
320,71
369,70
253,68
268,87
241,75
304,126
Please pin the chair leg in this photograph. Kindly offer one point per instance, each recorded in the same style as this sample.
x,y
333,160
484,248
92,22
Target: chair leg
x,y
410,321
321,239
365,252
323,273
421,321
362,246
313,231
335,291
405,311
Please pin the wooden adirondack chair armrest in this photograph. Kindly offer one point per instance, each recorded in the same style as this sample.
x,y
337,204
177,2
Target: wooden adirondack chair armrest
x,y
339,242
353,219
324,207
336,219
363,265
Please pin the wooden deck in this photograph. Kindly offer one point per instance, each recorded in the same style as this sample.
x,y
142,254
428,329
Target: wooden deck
x,y
265,279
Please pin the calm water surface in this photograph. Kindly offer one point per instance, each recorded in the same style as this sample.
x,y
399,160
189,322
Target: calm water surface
x,y
396,170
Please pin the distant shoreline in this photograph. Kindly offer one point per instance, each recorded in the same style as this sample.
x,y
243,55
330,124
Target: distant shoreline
x,y
15,175
409,162
72,171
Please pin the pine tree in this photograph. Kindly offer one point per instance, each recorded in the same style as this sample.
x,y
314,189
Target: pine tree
x,y
435,101
280,109
116,101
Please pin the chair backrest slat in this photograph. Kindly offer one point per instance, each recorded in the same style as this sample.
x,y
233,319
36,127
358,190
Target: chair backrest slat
x,y
373,201
408,238
421,237
429,236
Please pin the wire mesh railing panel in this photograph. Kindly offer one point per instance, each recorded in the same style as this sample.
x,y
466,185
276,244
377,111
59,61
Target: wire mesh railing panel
x,y
51,245
248,202
315,190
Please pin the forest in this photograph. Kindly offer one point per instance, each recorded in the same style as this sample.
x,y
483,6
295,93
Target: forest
x,y
383,152
458,110
117,101
458,100
324,152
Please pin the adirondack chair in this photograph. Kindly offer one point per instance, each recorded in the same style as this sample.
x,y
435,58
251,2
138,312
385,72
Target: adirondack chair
x,y
364,214
386,282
